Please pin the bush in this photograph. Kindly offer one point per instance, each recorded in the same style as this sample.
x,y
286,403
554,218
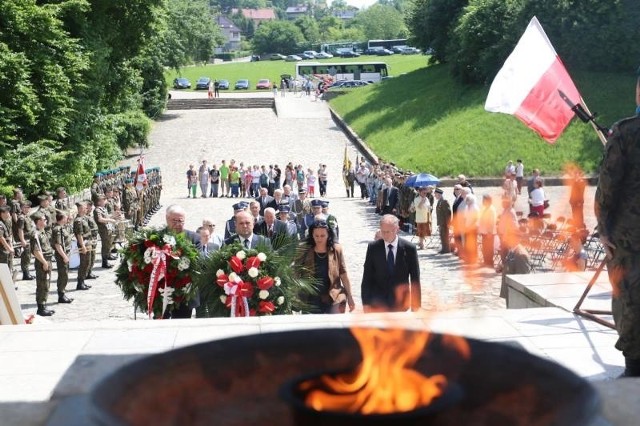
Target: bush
x,y
131,129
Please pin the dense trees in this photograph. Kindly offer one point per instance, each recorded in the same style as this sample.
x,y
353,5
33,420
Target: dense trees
x,y
477,35
277,36
79,79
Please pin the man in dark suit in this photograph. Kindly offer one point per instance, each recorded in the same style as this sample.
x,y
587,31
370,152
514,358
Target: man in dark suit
x,y
391,278
265,200
390,198
206,247
244,232
272,228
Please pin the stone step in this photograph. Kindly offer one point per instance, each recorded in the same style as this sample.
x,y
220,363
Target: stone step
x,y
220,103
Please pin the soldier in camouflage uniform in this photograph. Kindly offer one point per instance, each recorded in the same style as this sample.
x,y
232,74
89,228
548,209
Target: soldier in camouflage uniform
x,y
130,201
93,241
43,208
61,242
62,200
617,207
23,231
105,227
6,238
96,187
82,232
42,252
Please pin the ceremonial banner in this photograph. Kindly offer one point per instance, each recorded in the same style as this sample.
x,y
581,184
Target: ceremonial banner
x,y
141,176
534,85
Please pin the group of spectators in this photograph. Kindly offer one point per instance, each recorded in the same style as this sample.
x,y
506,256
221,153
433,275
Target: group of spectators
x,y
236,180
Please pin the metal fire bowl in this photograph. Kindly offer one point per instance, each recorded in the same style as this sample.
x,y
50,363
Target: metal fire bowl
x,y
236,382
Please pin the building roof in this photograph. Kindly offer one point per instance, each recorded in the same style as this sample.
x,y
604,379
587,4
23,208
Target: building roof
x,y
258,14
297,9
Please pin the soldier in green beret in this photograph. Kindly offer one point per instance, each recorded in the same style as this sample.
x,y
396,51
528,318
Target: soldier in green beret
x,y
61,241
42,252
92,241
82,232
23,232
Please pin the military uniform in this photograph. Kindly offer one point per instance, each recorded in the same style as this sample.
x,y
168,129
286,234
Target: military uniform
x,y
82,232
23,231
443,220
61,236
105,230
617,207
6,239
130,202
92,243
40,243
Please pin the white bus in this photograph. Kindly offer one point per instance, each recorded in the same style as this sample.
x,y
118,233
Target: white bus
x,y
386,44
367,71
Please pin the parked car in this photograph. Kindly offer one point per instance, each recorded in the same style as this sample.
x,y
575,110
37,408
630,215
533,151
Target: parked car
x,y
223,84
181,83
384,52
373,50
264,83
398,49
255,58
277,57
203,83
347,84
293,58
324,55
410,51
347,53
308,54
242,84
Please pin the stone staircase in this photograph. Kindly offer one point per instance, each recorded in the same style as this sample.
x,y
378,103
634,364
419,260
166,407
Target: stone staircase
x,y
220,103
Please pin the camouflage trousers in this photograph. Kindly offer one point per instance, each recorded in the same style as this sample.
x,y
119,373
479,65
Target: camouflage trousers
x,y
25,259
92,256
63,274
624,275
7,258
43,281
106,241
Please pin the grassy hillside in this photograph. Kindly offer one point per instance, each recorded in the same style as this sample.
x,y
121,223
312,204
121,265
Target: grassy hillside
x,y
424,121
254,71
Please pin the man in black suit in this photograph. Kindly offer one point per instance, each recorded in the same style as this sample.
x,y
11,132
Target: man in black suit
x,y
244,232
390,198
206,247
391,278
265,200
271,228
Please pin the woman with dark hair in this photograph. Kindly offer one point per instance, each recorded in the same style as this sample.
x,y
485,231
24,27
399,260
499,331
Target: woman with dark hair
x,y
325,260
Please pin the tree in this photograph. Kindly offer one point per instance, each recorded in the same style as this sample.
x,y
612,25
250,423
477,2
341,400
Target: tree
x,y
309,28
277,36
381,22
431,24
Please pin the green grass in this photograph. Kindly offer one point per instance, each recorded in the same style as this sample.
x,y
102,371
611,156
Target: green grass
x,y
254,71
424,121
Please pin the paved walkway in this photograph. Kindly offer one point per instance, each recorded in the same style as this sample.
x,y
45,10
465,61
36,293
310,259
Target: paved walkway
x,y
301,132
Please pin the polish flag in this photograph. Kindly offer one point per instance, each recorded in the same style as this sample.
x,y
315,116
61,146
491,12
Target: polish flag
x,y
534,85
141,176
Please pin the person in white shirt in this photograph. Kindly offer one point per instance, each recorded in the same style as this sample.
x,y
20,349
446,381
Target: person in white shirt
x,y
422,207
519,175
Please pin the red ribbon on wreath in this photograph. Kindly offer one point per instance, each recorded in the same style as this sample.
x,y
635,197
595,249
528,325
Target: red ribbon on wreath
x,y
238,295
159,261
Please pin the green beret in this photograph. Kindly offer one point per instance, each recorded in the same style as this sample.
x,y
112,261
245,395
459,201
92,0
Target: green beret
x,y
43,197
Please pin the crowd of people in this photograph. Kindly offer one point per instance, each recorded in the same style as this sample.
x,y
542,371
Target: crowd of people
x,y
65,229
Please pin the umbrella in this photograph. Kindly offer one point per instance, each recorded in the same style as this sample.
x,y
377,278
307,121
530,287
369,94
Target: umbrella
x,y
423,179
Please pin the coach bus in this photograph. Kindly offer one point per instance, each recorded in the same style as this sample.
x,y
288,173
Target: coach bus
x,y
386,44
367,71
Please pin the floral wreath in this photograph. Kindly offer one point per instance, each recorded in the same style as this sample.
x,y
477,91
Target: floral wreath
x,y
236,281
157,271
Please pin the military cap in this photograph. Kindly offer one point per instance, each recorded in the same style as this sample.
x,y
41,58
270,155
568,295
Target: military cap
x,y
101,197
4,209
316,203
439,190
37,216
284,208
44,192
43,197
325,204
239,206
128,180
24,203
97,175
302,191
60,189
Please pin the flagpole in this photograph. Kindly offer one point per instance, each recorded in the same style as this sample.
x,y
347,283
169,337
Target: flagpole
x,y
596,128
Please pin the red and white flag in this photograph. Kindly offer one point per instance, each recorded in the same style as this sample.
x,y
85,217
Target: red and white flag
x,y
534,85
141,176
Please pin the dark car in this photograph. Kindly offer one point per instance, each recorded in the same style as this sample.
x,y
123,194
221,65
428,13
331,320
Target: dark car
x,y
242,84
373,50
223,84
203,83
181,83
347,53
384,52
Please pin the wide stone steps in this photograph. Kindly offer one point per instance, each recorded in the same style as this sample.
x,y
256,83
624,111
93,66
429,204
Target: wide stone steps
x,y
220,103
